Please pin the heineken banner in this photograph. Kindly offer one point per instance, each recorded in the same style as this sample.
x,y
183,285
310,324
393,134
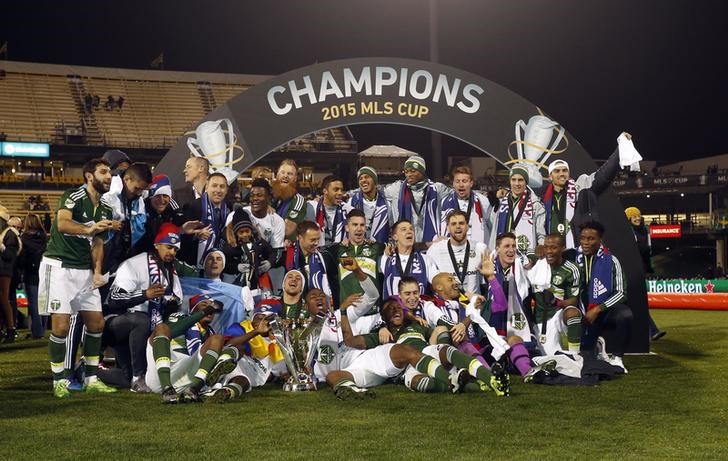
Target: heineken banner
x,y
688,294
500,123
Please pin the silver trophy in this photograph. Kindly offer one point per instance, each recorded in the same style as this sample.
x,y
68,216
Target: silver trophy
x,y
216,141
298,346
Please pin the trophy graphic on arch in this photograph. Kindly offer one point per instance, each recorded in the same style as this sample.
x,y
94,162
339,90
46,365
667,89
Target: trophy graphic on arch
x,y
216,141
536,141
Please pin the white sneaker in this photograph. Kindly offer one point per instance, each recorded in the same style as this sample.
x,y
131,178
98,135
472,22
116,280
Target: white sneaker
x,y
617,361
602,349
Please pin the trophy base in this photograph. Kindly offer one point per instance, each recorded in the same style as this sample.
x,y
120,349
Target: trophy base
x,y
304,383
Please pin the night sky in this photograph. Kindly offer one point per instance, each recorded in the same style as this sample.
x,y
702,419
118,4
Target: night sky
x,y
654,68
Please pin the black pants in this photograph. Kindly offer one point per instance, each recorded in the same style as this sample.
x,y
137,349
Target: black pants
x,y
128,334
617,319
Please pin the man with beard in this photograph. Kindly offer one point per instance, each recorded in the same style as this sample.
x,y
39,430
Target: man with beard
x,y
520,212
70,274
329,212
212,210
403,259
367,255
304,255
603,293
373,203
417,199
459,255
145,292
288,203
568,202
476,206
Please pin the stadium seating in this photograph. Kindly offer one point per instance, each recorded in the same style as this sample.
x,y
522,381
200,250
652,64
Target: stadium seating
x,y
17,201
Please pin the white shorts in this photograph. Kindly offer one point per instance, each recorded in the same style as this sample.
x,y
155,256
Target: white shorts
x,y
181,370
555,327
410,372
254,370
373,367
66,291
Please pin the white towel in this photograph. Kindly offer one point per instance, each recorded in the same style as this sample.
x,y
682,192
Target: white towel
x,y
628,155
500,346
540,275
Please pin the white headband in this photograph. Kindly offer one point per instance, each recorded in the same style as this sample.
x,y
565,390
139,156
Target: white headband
x,y
557,163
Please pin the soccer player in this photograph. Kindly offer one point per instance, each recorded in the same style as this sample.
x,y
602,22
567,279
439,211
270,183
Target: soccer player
x,y
329,212
367,254
417,199
373,203
557,308
304,255
476,206
145,292
70,274
405,330
184,350
459,255
404,260
520,212
603,293
289,204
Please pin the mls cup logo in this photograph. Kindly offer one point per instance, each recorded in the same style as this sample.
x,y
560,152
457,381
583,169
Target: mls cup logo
x,y
535,142
216,141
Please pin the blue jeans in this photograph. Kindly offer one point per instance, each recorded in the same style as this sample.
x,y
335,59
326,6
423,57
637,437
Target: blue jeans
x,y
37,322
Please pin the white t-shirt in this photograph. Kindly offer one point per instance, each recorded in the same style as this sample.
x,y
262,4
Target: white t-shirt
x,y
272,228
440,255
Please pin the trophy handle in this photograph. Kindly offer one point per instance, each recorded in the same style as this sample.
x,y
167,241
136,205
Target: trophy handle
x,y
231,139
193,147
520,125
554,144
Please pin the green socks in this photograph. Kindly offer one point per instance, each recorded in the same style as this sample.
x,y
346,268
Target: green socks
x,y
208,361
161,353
57,353
431,367
573,333
91,352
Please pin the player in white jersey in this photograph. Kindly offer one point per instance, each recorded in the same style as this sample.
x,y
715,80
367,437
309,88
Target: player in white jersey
x,y
459,255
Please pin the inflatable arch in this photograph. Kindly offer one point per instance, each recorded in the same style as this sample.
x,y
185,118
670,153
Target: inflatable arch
x,y
435,97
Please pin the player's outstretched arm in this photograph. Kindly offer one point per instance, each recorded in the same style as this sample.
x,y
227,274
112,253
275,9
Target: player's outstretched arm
x,y
357,342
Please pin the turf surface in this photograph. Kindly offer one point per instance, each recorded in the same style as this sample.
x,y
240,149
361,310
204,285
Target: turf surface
x,y
670,406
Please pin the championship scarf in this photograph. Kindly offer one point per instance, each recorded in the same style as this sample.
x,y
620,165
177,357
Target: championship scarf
x,y
567,215
427,210
597,272
337,228
517,323
218,225
518,220
173,287
450,203
378,226
315,275
393,271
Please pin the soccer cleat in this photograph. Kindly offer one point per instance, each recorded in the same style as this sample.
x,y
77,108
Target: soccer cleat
x,y
60,388
547,367
617,362
658,334
458,380
189,395
221,395
500,381
484,387
169,395
353,393
602,349
220,369
98,387
139,386
74,384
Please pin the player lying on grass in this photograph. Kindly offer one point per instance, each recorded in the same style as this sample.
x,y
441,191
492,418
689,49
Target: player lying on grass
x,y
184,349
409,332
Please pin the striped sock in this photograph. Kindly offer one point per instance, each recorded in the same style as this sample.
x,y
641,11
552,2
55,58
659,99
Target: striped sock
x,y
443,337
57,353
432,368
161,353
427,384
208,361
228,353
91,352
235,388
345,383
573,333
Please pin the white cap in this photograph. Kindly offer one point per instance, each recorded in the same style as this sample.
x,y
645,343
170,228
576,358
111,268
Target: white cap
x,y
556,164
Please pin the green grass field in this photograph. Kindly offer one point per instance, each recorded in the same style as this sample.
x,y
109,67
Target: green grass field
x,y
672,405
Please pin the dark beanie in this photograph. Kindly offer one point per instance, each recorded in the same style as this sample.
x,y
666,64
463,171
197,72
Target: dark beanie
x,y
115,157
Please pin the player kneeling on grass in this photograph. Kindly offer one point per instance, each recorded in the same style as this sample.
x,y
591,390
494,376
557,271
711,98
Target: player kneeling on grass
x,y
184,349
249,357
380,362
405,330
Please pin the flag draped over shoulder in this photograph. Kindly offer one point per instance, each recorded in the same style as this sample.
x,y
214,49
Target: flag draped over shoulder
x,y
230,295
